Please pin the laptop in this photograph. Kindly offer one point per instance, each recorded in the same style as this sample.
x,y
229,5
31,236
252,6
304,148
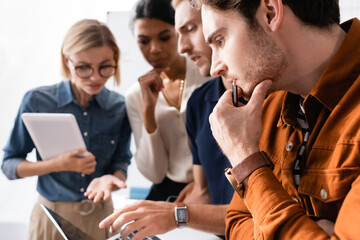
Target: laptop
x,y
70,232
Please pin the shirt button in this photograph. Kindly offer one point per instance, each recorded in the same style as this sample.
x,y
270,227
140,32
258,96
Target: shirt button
x,y
323,194
82,189
85,113
83,174
85,134
112,142
188,153
289,146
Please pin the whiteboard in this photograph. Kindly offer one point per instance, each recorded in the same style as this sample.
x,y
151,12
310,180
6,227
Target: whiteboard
x,y
132,63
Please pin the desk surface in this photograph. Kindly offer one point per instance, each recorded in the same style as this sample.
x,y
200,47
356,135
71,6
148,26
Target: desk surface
x,y
188,234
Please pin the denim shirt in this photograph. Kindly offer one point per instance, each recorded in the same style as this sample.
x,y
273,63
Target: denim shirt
x,y
106,132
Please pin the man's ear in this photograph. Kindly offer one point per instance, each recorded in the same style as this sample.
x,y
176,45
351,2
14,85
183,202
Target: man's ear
x,y
270,14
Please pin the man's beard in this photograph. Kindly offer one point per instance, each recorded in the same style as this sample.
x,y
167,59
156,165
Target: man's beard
x,y
268,60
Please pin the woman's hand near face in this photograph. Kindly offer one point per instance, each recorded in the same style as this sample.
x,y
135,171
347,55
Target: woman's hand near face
x,y
151,84
101,187
71,161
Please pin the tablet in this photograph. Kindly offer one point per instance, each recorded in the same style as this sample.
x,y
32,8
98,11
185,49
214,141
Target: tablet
x,y
53,133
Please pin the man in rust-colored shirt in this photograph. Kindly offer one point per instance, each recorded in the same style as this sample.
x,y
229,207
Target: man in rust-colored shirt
x,y
296,154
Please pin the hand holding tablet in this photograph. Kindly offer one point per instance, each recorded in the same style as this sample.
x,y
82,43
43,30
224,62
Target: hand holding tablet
x,y
54,133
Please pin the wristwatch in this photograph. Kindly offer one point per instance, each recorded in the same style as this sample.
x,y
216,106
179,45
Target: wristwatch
x,y
181,215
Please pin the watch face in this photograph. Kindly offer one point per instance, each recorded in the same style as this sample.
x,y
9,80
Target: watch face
x,y
181,214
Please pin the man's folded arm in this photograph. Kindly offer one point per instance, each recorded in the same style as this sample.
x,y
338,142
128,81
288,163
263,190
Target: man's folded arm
x,y
239,222
275,215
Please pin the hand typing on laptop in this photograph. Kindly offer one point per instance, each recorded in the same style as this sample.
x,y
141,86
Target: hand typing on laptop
x,y
151,217
69,231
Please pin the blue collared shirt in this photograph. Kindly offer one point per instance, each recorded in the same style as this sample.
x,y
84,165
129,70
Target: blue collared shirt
x,y
105,128
205,150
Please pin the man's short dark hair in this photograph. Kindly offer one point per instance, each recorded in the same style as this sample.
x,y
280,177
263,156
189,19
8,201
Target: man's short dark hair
x,y
321,13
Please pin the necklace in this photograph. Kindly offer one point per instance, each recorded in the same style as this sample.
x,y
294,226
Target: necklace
x,y
181,90
171,101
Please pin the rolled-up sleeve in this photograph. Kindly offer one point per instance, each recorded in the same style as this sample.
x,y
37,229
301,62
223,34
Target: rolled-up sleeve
x,y
9,167
19,143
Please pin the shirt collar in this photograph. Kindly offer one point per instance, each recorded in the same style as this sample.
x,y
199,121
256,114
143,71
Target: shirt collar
x,y
102,97
338,76
215,91
288,109
342,70
66,96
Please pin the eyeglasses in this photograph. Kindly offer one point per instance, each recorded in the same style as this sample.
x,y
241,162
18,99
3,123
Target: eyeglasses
x,y
85,71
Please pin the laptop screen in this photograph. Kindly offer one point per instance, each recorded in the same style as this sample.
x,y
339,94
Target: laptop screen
x,y
67,229
70,232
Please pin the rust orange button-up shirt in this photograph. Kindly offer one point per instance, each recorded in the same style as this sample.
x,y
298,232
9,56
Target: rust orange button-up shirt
x,y
272,207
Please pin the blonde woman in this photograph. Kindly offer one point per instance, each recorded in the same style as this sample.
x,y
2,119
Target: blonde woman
x,y
78,188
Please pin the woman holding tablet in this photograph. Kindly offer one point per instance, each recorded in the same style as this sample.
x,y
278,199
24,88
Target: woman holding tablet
x,y
156,105
78,188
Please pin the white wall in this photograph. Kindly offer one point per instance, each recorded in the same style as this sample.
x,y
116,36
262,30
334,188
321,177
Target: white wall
x,y
31,33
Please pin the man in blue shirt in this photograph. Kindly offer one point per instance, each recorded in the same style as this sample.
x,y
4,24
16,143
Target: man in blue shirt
x,y
207,156
202,204
210,186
